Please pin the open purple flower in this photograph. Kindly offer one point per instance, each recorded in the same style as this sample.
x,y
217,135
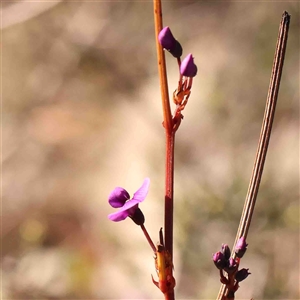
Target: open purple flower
x,y
168,42
188,67
119,197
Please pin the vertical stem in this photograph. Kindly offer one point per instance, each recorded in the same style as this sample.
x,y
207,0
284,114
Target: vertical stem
x,y
162,67
264,135
170,138
169,185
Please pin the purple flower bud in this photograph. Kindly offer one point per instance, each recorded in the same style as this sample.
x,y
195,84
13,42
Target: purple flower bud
x,y
187,67
226,251
241,247
118,197
241,274
219,260
232,266
168,42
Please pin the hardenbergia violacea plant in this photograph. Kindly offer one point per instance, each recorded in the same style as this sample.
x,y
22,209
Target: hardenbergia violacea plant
x,y
226,261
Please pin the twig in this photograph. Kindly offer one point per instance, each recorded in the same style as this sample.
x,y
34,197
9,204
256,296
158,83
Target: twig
x,y
264,135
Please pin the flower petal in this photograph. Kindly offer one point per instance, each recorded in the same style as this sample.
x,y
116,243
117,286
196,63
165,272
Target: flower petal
x,y
142,192
118,197
118,216
128,209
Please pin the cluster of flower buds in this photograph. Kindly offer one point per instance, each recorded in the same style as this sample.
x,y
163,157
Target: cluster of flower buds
x,y
187,70
230,265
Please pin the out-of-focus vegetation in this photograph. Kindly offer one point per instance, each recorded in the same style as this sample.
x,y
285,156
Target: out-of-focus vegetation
x,y
82,114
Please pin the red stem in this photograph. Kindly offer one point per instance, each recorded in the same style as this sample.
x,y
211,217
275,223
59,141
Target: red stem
x,y
170,139
169,185
148,238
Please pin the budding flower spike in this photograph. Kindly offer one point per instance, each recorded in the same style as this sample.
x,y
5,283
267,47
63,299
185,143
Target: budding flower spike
x,y
228,266
168,42
119,198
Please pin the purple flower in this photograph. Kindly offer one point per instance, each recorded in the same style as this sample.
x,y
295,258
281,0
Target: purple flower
x,y
219,260
128,208
187,67
241,247
241,274
167,40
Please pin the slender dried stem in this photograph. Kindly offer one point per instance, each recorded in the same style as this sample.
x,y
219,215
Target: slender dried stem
x,y
264,135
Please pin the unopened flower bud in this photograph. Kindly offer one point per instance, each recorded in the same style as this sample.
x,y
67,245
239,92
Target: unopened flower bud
x,y
232,266
219,260
241,247
168,42
241,274
187,67
226,251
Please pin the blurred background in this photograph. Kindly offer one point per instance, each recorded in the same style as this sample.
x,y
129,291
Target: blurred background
x,y
82,114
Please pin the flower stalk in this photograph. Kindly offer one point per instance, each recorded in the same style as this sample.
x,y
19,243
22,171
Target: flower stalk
x,y
148,238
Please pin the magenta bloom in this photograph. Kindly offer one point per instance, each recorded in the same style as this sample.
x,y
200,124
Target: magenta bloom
x,y
168,42
119,197
187,67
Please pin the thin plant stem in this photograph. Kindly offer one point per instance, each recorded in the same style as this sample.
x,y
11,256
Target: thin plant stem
x,y
169,192
264,136
170,139
170,133
162,67
148,238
